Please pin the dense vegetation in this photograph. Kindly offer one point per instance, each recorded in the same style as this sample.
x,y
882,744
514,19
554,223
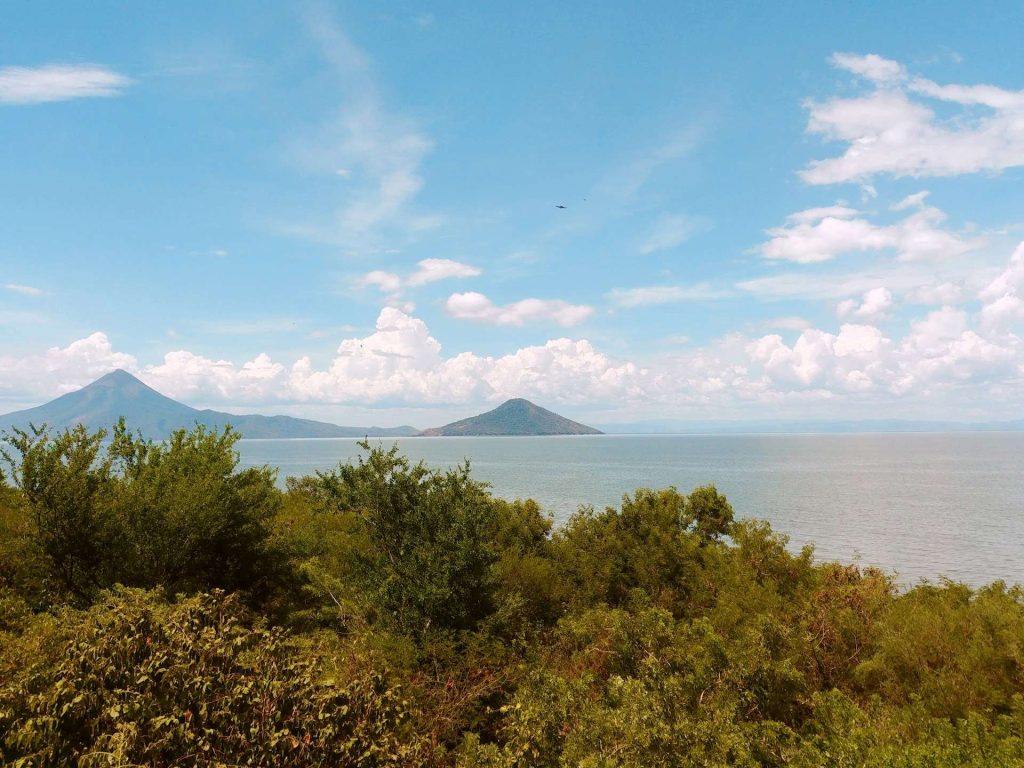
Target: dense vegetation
x,y
160,607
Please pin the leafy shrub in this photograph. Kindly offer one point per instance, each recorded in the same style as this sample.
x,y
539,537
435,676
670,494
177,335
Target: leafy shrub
x,y
431,624
147,683
176,515
428,541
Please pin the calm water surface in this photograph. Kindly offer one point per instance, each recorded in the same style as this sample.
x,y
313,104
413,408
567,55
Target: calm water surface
x,y
918,505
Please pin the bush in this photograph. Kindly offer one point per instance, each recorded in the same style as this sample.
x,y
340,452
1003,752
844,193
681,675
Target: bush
x,y
176,515
431,624
428,541
144,682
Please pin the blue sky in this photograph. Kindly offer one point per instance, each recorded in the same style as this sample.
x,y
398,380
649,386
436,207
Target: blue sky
x,y
348,211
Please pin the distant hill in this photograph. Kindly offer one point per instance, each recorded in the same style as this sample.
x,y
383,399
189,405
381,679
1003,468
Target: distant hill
x,y
100,404
513,417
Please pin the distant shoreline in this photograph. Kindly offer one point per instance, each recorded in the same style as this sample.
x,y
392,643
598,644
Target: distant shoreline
x,y
843,433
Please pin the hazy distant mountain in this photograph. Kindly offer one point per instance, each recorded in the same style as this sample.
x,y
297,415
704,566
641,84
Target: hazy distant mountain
x,y
513,417
117,394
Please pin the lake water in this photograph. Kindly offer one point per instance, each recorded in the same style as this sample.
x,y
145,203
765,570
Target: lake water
x,y
918,505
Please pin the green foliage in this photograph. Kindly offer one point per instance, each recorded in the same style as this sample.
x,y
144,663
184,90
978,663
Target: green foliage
x,y
953,650
176,514
431,624
429,541
24,570
145,683
658,542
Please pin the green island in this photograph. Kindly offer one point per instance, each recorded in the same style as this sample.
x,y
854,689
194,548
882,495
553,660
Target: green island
x,y
160,606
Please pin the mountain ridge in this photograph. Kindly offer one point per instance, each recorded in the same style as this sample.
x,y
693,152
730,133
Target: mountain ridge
x,y
99,404
515,417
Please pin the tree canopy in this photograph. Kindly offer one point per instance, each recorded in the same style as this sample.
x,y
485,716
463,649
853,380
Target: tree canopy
x,y
160,606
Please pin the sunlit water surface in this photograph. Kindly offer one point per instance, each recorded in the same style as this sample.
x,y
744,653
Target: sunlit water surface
x,y
919,505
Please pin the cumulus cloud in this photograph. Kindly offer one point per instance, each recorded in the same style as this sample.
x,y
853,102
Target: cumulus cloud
x,y
853,360
943,348
873,306
193,377
477,307
974,353
893,130
427,271
1003,298
945,293
432,270
871,67
59,82
822,234
62,369
402,361
665,294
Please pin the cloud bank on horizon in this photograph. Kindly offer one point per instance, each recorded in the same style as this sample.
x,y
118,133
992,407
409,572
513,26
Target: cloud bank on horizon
x,y
884,289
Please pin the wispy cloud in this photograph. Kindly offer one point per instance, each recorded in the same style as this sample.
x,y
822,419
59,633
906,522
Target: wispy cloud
x,y
628,179
59,82
24,290
654,295
918,282
785,323
669,232
261,327
373,152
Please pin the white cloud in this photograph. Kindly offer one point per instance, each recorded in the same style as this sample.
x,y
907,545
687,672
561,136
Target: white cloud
x,y
821,234
388,282
62,369
946,293
815,215
401,362
665,294
872,67
433,270
853,360
427,271
668,232
918,282
787,323
873,307
892,130
955,361
58,82
915,200
943,349
476,306
376,153
24,290
193,377
1003,298
627,180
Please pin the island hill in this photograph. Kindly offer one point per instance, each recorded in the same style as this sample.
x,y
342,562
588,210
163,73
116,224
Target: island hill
x,y
101,403
513,417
